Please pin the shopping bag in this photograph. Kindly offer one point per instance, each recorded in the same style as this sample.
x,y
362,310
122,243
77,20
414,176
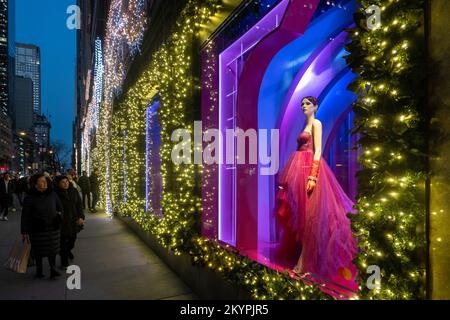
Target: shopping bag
x,y
18,257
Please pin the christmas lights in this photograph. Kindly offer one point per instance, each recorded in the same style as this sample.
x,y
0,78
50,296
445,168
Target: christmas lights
x,y
169,74
387,115
91,119
125,30
390,118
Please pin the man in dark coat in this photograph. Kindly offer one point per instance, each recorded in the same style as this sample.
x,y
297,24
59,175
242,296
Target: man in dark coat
x,y
41,223
85,186
24,186
18,189
6,195
73,218
95,190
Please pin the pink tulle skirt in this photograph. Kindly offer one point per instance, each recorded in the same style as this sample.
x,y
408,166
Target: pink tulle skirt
x,y
316,221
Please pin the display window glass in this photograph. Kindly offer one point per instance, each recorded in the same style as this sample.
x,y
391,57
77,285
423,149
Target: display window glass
x,y
257,70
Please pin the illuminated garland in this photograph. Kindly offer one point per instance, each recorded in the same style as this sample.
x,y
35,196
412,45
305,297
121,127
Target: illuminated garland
x,y
390,118
91,119
124,34
98,83
169,74
387,116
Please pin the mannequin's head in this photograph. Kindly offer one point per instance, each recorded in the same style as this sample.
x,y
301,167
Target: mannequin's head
x,y
309,106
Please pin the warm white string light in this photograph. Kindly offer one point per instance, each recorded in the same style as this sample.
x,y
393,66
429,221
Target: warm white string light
x,y
126,26
91,120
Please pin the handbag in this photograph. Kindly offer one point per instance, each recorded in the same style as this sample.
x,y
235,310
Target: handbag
x,y
79,227
18,257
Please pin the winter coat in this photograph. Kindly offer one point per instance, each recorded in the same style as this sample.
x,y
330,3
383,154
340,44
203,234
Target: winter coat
x,y
93,180
17,186
84,184
41,220
24,185
6,196
73,210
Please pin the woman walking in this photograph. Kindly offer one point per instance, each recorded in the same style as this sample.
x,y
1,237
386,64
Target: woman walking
x,y
73,218
41,223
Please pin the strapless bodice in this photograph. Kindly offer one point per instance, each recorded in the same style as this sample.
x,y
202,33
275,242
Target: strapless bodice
x,y
304,141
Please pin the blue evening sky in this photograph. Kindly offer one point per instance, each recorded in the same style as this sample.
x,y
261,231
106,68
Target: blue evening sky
x,y
43,23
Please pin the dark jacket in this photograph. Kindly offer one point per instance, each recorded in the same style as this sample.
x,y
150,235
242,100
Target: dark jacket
x,y
84,184
41,220
23,185
6,197
73,210
93,180
41,212
17,186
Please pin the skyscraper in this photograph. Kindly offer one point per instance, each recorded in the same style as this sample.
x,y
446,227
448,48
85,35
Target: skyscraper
x,y
42,131
11,54
42,141
7,40
28,65
23,105
4,56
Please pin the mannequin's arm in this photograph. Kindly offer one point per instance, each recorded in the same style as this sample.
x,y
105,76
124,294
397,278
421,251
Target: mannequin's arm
x,y
317,129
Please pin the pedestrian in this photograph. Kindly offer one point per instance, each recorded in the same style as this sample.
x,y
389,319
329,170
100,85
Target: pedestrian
x,y
93,179
41,223
18,189
73,174
73,218
25,185
74,184
85,186
6,195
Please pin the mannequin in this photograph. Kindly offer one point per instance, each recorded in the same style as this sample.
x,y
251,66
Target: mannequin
x,y
312,208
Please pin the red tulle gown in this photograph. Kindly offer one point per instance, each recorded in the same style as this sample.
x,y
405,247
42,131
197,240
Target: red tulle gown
x,y
317,222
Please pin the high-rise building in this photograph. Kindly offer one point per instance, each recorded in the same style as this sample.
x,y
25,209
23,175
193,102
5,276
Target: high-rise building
x,y
23,104
42,131
28,65
7,42
23,153
42,142
4,81
6,140
11,53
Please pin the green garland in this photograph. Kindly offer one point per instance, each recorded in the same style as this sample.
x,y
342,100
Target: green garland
x,y
169,73
390,118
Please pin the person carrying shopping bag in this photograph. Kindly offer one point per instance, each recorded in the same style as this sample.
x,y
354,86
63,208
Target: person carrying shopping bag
x,y
41,223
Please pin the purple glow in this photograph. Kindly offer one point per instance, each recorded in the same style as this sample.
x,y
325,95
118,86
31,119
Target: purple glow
x,y
153,183
230,66
124,165
299,58
148,115
310,81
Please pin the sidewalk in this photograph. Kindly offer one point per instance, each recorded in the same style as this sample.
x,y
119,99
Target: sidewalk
x,y
114,263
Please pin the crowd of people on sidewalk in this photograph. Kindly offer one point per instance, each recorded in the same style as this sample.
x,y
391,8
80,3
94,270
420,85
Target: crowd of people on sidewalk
x,y
52,212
